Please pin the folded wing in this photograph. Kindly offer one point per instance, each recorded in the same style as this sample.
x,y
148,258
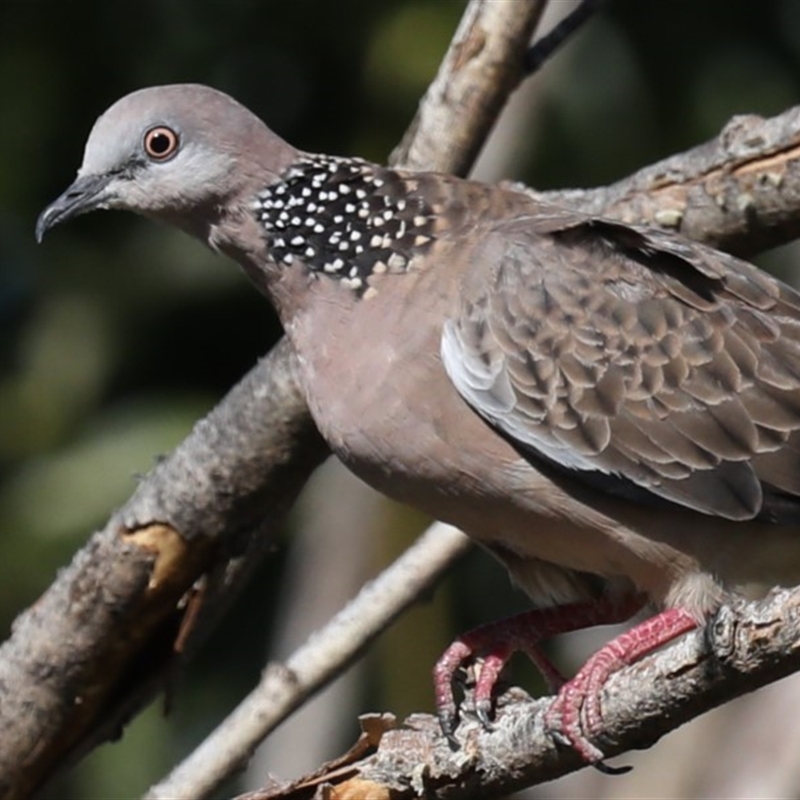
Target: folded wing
x,y
646,364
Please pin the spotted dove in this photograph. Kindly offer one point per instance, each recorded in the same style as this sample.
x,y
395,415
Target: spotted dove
x,y
612,411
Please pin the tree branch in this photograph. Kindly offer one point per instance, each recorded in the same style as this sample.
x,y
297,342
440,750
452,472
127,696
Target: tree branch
x,y
284,687
742,649
99,642
738,192
483,65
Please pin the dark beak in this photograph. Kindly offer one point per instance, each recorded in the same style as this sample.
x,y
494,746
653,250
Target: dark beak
x,y
83,195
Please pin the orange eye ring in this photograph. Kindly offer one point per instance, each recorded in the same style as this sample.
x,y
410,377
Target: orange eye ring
x,y
160,143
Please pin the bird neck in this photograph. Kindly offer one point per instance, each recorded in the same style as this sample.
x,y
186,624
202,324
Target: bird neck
x,y
345,220
339,230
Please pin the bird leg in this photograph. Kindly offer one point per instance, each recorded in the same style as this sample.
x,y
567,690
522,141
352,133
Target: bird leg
x,y
496,642
575,714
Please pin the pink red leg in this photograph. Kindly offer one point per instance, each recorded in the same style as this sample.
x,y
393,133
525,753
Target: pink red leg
x,y
580,697
496,642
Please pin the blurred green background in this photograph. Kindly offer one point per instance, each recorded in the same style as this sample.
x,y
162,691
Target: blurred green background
x,y
118,334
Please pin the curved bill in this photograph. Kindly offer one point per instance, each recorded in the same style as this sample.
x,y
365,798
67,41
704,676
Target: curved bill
x,y
85,194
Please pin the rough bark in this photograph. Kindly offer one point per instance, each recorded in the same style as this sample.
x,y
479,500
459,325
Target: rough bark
x,y
742,649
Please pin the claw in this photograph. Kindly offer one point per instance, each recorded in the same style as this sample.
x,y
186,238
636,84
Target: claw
x,y
448,722
561,739
601,766
576,713
483,711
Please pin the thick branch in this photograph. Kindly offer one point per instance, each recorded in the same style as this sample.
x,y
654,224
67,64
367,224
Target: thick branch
x,y
739,192
483,65
88,653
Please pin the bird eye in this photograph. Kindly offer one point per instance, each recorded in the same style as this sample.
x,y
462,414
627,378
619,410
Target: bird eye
x,y
160,143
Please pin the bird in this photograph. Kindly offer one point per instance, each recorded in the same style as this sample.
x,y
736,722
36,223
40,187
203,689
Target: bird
x,y
611,410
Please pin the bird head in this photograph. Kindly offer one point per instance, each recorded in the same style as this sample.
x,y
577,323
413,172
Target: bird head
x,y
174,153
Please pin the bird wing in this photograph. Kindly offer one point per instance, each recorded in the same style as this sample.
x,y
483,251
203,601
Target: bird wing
x,y
645,363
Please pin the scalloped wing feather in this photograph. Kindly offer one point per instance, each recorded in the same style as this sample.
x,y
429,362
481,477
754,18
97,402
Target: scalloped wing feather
x,y
631,354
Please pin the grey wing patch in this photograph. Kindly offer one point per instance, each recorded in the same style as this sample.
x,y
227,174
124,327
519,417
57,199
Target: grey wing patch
x,y
484,383
661,364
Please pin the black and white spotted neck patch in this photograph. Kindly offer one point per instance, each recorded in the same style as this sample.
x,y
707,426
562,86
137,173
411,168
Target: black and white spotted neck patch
x,y
345,218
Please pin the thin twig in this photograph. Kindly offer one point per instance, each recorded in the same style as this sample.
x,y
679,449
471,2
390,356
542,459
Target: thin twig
x,y
546,47
283,687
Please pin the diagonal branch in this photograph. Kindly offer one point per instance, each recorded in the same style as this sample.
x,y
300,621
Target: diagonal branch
x,y
483,65
99,642
743,648
284,687
739,192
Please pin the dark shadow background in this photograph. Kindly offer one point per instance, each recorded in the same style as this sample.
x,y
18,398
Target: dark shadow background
x,y
116,334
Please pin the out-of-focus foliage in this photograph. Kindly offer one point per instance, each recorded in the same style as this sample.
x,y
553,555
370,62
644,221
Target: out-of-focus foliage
x,y
117,334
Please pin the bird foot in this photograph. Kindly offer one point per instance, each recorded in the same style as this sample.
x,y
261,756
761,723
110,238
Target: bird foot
x,y
575,715
447,670
496,642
